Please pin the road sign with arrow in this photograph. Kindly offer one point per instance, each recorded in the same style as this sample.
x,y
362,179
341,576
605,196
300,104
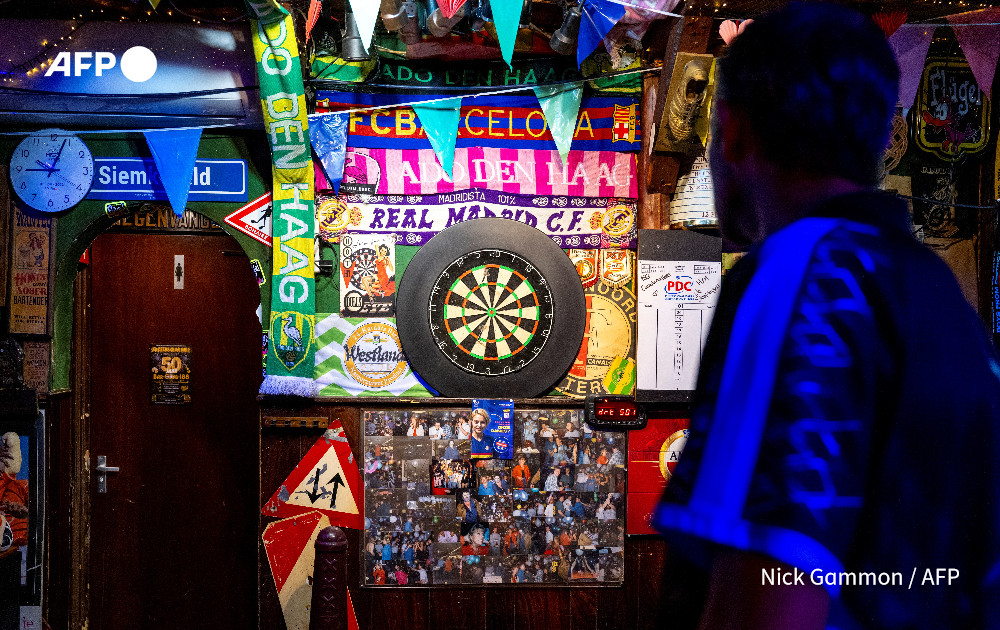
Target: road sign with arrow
x,y
327,480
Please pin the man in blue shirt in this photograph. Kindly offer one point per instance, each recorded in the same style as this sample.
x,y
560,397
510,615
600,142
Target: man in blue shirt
x,y
846,426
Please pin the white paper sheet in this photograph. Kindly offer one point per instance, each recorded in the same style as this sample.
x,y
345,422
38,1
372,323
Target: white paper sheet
x,y
676,303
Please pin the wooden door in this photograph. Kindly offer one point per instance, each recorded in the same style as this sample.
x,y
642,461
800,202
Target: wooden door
x,y
174,539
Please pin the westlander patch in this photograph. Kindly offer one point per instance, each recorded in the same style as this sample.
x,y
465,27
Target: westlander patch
x,y
362,357
373,355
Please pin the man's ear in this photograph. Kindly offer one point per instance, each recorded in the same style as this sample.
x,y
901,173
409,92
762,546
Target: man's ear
x,y
732,127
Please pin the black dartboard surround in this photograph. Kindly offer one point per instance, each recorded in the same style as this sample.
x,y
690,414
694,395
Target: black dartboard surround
x,y
490,308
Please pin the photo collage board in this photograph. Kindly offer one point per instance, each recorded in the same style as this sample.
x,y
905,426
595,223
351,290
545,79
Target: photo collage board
x,y
553,515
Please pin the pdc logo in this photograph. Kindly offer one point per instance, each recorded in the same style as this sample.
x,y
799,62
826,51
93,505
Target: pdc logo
x,y
138,64
680,286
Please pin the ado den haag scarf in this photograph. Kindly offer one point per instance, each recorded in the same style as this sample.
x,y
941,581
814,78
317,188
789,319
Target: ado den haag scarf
x,y
292,323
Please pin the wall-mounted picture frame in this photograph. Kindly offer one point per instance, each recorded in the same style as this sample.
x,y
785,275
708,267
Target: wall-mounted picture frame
x,y
22,517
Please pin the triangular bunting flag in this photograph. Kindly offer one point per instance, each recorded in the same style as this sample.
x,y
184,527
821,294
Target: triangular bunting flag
x,y
315,8
328,134
365,13
506,18
560,105
327,480
440,121
910,43
174,153
599,17
980,43
450,7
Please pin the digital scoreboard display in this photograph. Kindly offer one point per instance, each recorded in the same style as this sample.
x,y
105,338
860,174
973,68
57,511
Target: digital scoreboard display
x,y
614,413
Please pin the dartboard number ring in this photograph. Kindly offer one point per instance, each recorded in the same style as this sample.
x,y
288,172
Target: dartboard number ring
x,y
490,312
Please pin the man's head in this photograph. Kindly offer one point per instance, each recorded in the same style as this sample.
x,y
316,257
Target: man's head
x,y
809,89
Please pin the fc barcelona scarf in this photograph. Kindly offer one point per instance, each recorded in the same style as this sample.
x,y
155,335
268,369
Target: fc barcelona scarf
x,y
290,362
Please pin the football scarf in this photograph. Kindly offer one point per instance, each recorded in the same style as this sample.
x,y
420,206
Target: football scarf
x,y
290,362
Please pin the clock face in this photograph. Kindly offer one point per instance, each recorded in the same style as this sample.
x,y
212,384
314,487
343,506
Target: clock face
x,y
490,312
490,308
51,170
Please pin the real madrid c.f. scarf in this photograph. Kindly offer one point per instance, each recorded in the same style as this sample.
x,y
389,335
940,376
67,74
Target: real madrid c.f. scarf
x,y
290,361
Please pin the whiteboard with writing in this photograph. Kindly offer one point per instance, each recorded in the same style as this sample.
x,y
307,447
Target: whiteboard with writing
x,y
677,300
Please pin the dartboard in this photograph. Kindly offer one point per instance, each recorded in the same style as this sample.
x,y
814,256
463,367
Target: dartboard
x,y
491,312
490,307
362,264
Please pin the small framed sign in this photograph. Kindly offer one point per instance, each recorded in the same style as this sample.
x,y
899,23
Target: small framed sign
x,y
170,374
952,113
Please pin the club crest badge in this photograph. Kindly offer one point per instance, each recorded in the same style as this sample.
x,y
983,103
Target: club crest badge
x,y
291,336
618,226
623,129
585,261
617,268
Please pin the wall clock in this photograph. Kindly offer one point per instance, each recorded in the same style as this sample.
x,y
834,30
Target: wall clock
x,y
490,308
51,170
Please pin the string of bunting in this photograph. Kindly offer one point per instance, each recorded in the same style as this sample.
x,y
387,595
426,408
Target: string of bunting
x,y
508,90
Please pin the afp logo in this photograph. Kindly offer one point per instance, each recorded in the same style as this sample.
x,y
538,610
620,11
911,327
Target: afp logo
x,y
138,64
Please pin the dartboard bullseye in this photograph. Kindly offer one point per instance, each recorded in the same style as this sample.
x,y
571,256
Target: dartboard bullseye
x,y
490,307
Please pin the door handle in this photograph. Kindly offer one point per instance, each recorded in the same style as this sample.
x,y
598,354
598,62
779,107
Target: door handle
x,y
102,473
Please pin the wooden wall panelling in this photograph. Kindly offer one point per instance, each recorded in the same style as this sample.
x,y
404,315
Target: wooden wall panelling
x,y
583,608
77,424
651,200
503,611
57,551
542,608
650,554
457,608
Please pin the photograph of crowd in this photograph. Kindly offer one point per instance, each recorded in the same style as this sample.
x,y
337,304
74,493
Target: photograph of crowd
x,y
554,514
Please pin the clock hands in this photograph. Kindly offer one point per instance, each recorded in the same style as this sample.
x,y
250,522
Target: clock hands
x,y
45,167
58,155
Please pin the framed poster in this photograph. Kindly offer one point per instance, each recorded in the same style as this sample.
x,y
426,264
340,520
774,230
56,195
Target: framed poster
x,y
170,374
434,516
29,301
952,114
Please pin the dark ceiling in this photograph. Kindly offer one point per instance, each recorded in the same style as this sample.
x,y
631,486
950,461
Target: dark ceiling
x,y
229,10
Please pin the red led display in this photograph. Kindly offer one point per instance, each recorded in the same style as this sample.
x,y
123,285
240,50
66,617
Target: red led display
x,y
615,410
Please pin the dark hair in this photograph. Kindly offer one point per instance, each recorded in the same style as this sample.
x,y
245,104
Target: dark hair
x,y
818,83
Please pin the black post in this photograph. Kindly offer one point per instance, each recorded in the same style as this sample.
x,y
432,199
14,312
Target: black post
x,y
329,596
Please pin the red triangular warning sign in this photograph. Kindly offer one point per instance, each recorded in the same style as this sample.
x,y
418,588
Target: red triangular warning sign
x,y
352,619
326,480
290,545
286,540
254,219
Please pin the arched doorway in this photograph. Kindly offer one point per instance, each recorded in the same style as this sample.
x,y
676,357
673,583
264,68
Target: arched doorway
x,y
173,540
